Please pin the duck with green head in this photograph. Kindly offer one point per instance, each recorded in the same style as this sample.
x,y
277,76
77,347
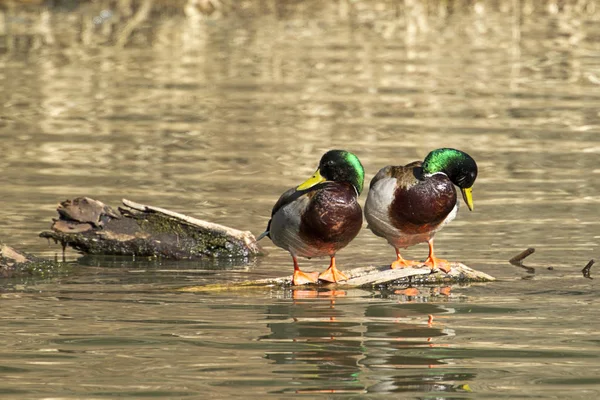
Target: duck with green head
x,y
408,204
320,216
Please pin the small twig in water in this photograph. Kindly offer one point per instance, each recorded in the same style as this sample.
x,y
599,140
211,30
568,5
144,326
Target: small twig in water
x,y
518,259
586,270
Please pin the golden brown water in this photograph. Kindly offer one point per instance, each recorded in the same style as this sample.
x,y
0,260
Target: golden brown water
x,y
216,117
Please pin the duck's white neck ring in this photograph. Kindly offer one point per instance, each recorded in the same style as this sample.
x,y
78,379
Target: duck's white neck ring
x,y
435,173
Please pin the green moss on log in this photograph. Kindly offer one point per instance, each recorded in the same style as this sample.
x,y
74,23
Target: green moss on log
x,y
17,264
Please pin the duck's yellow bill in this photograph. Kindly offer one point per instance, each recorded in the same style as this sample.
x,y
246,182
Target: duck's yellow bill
x,y
312,181
468,197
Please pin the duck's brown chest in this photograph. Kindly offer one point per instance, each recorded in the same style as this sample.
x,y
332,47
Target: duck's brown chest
x,y
422,207
333,217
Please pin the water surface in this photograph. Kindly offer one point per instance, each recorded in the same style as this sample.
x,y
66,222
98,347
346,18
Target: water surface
x,y
216,117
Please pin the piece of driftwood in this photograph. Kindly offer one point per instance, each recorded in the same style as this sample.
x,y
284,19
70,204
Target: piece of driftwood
x,y
90,226
365,277
17,264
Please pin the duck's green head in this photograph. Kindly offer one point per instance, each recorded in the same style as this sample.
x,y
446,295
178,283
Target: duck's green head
x,y
338,166
460,168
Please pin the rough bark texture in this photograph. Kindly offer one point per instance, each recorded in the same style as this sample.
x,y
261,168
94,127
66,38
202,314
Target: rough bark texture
x,y
366,277
91,227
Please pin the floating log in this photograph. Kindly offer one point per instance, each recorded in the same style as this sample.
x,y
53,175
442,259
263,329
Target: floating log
x,y
17,264
90,226
364,277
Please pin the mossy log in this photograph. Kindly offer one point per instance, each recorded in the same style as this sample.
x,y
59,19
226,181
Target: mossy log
x,y
17,264
90,226
364,277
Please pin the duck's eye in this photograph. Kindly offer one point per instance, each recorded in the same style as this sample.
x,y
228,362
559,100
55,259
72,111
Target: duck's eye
x,y
328,165
466,180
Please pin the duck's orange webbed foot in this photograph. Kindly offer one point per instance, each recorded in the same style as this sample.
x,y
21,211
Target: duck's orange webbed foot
x,y
302,278
332,274
401,262
442,265
433,262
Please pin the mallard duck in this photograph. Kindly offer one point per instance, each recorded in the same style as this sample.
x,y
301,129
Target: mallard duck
x,y
321,216
408,204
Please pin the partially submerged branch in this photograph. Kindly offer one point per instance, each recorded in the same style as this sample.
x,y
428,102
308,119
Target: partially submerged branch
x,y
518,260
586,270
364,277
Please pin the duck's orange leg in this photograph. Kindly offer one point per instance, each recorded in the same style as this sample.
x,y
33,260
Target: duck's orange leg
x,y
302,278
333,274
433,262
401,262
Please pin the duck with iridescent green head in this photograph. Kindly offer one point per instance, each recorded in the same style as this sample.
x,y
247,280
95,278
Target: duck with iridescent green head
x,y
320,216
408,204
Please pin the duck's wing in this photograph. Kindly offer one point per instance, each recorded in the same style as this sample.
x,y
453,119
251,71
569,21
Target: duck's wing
x,y
286,198
383,173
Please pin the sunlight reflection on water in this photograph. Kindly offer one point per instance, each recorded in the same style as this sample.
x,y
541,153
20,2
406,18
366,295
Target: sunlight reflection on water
x,y
215,118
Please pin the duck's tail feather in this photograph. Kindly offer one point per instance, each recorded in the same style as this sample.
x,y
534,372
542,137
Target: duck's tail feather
x,y
262,235
265,233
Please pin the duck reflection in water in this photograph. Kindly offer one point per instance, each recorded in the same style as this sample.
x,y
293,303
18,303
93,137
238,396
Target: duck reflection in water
x,y
340,342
